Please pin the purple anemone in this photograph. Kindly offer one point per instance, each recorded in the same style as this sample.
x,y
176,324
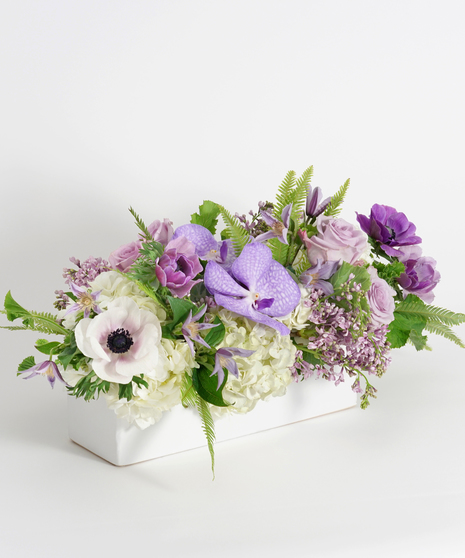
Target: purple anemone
x,y
257,287
48,369
420,276
206,246
389,227
316,277
224,359
191,327
278,228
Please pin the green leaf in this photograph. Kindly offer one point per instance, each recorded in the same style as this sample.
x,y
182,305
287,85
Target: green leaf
x,y
335,206
445,331
234,230
216,334
188,393
341,277
13,309
285,193
299,196
418,340
180,308
27,363
89,386
415,306
141,224
207,386
207,216
139,381
36,321
125,391
400,329
46,347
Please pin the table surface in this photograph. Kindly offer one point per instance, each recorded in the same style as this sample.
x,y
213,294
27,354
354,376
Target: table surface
x,y
387,481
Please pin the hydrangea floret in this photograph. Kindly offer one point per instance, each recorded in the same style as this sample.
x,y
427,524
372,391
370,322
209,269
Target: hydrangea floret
x,y
221,318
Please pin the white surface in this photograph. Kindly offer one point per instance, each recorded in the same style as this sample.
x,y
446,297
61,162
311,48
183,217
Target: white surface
x,y
159,105
95,427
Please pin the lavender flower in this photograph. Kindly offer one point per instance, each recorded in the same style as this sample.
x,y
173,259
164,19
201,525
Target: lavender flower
x,y
258,287
48,369
390,228
191,328
278,229
313,206
86,272
85,301
223,359
316,277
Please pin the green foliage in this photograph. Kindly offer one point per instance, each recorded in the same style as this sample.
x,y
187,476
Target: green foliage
x,y
400,330
216,334
234,230
444,330
335,206
89,386
143,269
125,391
418,341
340,278
190,398
141,225
415,306
35,321
299,196
71,355
206,386
27,363
390,272
180,308
285,193
207,216
47,347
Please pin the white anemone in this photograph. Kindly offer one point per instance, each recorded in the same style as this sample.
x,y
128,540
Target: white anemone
x,y
123,342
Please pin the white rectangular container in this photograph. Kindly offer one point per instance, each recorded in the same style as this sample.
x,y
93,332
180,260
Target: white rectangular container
x,y
95,427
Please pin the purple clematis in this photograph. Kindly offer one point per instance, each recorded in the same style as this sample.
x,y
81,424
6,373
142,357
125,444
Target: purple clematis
x,y
224,359
257,287
278,229
390,228
48,369
191,327
316,277
313,206
85,301
206,246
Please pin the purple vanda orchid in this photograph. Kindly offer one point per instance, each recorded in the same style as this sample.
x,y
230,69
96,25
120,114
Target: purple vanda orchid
x,y
257,287
279,229
206,246
224,359
316,277
48,369
85,302
191,327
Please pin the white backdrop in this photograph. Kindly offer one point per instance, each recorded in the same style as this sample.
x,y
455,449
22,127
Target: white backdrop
x,y
159,105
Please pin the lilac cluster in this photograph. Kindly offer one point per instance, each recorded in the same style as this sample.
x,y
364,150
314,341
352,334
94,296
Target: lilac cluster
x,y
62,300
257,224
86,271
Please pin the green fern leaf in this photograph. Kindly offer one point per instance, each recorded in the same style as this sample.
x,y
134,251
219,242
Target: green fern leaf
x,y
433,314
445,331
234,230
300,193
335,206
285,193
279,250
45,323
141,224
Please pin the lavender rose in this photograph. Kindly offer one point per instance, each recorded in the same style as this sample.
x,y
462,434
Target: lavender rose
x,y
177,267
161,232
380,299
124,256
420,275
390,228
336,239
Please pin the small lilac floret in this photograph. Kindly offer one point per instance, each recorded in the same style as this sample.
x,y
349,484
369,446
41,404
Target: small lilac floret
x,y
191,327
316,277
86,301
257,287
224,359
279,229
313,206
390,228
48,369
206,246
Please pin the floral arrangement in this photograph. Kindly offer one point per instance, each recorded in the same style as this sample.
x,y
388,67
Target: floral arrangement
x,y
289,292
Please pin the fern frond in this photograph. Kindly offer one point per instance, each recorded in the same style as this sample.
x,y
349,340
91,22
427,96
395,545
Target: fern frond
x,y
335,206
300,193
431,313
279,250
301,263
235,231
141,224
445,331
44,322
15,328
285,193
187,392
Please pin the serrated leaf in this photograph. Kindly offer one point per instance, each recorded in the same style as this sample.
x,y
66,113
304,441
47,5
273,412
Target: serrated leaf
x,y
216,334
235,231
444,331
335,205
27,363
207,216
419,341
207,386
285,193
141,225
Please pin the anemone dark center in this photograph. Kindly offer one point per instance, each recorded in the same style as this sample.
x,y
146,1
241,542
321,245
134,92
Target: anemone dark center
x,y
392,233
119,341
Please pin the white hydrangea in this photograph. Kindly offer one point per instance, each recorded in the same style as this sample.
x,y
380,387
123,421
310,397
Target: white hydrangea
x,y
298,318
262,375
114,285
148,404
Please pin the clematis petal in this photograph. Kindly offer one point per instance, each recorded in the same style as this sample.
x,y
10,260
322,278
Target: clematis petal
x,y
268,218
286,215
